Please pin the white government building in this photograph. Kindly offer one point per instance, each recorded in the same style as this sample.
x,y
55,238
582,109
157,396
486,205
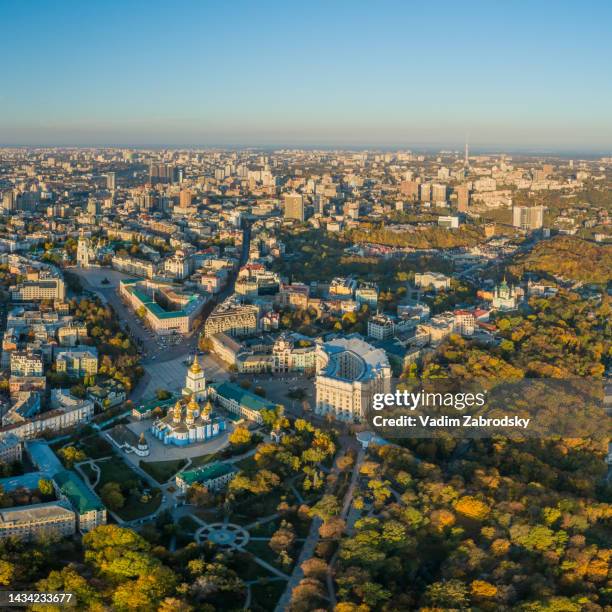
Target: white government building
x,y
349,372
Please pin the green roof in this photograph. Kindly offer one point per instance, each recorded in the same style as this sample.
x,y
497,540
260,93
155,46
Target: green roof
x,y
151,405
156,309
242,396
207,472
79,495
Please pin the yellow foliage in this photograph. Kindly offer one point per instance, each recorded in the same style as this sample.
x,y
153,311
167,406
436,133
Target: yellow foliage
x,y
500,547
597,570
482,588
472,508
441,519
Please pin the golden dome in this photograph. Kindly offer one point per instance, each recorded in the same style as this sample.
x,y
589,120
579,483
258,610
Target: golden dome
x,y
193,404
208,408
195,366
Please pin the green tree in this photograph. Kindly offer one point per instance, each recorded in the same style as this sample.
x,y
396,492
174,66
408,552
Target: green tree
x,y
112,496
45,486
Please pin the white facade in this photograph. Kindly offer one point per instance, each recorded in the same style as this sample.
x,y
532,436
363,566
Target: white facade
x,y
349,372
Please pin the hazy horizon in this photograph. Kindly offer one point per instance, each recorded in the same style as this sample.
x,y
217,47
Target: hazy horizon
x,y
339,75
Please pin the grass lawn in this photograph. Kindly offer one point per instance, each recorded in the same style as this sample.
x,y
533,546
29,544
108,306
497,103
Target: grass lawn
x,y
253,507
162,470
95,447
264,530
247,569
135,509
265,553
209,515
203,460
89,472
247,464
115,470
189,524
265,595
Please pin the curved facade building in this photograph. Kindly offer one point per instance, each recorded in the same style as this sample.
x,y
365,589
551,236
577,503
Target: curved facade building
x,y
349,372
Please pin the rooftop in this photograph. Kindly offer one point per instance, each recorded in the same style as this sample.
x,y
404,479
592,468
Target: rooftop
x,y
207,472
34,512
80,496
242,396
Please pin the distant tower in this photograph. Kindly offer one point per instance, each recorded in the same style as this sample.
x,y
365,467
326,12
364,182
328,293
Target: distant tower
x,y
195,383
83,252
466,159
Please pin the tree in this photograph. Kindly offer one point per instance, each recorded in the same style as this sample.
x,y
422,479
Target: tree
x,y
69,580
326,507
308,595
332,528
7,572
315,568
45,486
217,579
172,604
482,589
146,592
198,495
112,496
241,436
283,538
118,553
71,455
450,594
162,394
472,507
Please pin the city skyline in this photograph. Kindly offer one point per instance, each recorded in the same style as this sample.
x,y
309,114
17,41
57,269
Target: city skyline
x,y
341,76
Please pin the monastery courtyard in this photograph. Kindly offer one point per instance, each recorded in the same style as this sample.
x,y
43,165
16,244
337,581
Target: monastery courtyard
x,y
169,452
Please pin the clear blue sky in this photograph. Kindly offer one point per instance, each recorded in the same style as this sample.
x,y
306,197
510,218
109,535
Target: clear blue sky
x,y
522,74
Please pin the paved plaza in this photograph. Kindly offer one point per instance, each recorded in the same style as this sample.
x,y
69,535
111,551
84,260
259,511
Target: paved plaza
x,y
225,535
169,452
170,374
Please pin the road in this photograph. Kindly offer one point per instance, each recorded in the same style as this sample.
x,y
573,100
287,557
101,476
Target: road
x,y
312,539
162,359
468,273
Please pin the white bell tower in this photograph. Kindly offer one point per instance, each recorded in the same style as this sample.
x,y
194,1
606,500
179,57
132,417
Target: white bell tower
x,y
195,383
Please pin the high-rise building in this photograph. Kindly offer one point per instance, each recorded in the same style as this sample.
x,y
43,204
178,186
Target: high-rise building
x,y
185,198
8,201
162,173
93,206
425,192
110,181
463,197
294,206
528,217
438,193
410,189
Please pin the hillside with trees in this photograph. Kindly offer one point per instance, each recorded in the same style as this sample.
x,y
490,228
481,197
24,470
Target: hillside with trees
x,y
428,238
567,257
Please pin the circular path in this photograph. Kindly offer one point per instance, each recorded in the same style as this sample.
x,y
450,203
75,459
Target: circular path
x,y
225,535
